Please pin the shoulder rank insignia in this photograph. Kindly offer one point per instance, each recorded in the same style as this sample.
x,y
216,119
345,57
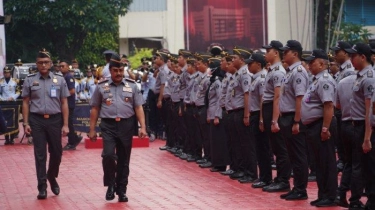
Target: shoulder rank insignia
x,y
31,75
277,68
103,81
349,66
299,68
130,80
370,73
325,75
262,76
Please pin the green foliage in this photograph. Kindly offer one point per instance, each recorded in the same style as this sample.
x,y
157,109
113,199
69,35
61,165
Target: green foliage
x,y
353,33
135,60
61,26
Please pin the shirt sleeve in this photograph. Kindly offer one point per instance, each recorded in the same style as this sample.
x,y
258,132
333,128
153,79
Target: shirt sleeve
x,y
245,80
368,87
70,82
64,90
277,78
300,83
326,91
163,77
337,95
26,88
96,98
261,87
138,98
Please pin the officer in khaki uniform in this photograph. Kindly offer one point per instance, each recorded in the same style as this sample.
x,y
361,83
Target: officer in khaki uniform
x,y
256,65
362,107
116,101
9,91
293,87
271,112
317,114
45,114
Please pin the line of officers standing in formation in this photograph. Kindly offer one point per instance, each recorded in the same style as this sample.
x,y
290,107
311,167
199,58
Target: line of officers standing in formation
x,y
227,109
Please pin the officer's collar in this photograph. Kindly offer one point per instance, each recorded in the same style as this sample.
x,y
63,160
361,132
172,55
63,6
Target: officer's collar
x,y
321,74
110,81
345,64
273,66
184,68
38,75
365,70
294,65
244,67
256,75
193,75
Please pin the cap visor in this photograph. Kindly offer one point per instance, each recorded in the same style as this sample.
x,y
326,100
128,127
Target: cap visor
x,y
267,46
284,48
350,50
109,52
335,48
247,61
309,58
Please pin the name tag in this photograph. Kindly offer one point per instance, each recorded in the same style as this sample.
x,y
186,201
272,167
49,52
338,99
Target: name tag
x,y
53,92
127,89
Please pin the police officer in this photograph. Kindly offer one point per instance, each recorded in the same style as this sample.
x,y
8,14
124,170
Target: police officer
x,y
73,139
90,84
344,96
217,134
9,92
45,114
293,87
317,114
256,64
271,112
363,155
16,70
238,98
116,101
342,58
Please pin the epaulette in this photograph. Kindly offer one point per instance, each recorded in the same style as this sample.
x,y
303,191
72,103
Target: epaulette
x,y
216,78
31,75
106,80
299,68
325,75
349,65
370,73
244,72
262,76
16,80
129,80
58,74
277,68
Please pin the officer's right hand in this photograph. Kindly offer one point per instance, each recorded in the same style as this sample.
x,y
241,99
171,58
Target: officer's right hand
x,y
92,135
28,129
275,128
246,121
159,104
366,146
216,121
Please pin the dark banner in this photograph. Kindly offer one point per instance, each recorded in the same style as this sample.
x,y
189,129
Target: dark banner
x,y
81,120
11,111
235,22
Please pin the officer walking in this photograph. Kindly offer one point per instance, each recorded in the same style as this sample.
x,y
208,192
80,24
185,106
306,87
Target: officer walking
x,y
9,92
317,115
45,113
271,112
363,154
116,101
293,87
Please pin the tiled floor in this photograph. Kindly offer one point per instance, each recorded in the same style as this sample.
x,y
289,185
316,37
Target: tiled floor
x,y
157,180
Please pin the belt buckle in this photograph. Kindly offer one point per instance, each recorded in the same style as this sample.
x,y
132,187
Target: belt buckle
x,y
46,116
118,119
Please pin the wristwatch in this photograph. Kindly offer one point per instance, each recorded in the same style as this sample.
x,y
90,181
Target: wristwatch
x,y
273,122
296,122
324,130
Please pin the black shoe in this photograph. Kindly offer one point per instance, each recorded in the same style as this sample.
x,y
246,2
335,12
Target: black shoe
x,y
172,150
178,153
227,172
122,197
69,147
296,196
164,147
208,164
110,194
340,200
237,175
356,206
201,161
191,159
42,194
283,196
11,142
7,142
246,179
325,203
312,177
79,139
55,188
218,169
314,202
260,184
278,187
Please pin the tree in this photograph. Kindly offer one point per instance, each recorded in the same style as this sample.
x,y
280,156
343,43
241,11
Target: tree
x,y
60,26
135,60
353,33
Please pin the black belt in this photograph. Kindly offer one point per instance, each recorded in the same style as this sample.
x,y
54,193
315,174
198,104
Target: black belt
x,y
254,113
223,108
358,122
190,105
285,114
46,116
200,107
235,110
267,103
167,99
176,103
315,122
117,119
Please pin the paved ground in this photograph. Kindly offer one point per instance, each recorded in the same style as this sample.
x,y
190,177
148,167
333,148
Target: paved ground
x,y
157,180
